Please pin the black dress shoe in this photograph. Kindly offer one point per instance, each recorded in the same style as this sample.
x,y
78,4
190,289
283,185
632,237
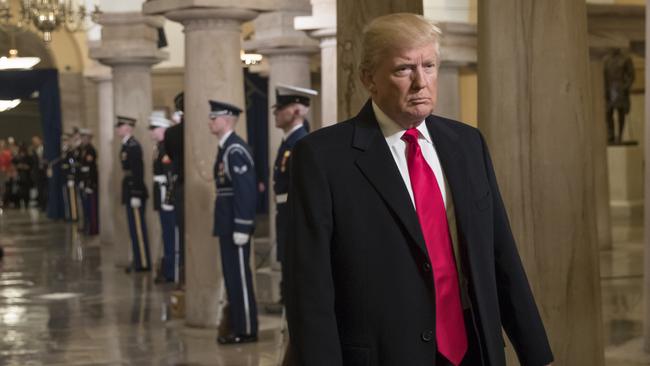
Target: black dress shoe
x,y
237,339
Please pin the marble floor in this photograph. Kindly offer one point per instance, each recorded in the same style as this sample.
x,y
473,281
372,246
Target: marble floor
x,y
63,302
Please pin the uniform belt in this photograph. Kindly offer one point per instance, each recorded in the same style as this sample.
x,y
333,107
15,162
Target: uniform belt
x,y
160,178
85,169
282,198
127,173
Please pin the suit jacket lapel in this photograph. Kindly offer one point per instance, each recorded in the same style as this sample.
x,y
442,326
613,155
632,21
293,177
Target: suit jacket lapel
x,y
378,166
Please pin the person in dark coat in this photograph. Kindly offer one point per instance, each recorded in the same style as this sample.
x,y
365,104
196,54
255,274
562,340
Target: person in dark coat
x,y
134,193
88,182
400,251
234,221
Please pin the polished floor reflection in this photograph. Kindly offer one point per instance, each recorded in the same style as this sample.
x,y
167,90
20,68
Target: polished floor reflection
x,y
63,302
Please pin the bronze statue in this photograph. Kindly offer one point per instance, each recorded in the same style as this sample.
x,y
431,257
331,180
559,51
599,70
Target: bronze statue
x,y
619,76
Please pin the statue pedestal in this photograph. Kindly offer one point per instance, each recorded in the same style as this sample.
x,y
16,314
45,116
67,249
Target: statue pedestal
x,y
625,180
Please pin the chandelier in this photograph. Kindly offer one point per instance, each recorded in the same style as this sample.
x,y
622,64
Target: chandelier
x,y
49,15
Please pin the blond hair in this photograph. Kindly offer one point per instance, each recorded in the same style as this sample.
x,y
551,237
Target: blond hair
x,y
399,30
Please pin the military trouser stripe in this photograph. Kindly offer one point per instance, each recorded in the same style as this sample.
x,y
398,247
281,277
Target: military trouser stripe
x,y
73,203
138,231
66,203
177,255
242,272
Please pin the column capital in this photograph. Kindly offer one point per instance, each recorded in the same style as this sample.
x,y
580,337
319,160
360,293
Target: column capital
x,y
275,34
459,44
202,18
128,39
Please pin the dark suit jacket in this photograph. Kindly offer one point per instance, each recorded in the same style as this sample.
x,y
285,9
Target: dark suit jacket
x,y
357,276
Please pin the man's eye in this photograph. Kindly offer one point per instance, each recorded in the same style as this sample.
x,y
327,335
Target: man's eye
x,y
403,70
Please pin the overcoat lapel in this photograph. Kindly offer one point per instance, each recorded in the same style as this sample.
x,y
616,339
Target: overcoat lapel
x,y
378,166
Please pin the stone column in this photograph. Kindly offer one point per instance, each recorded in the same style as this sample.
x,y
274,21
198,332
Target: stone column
x,y
646,184
129,47
213,70
457,50
535,109
322,26
105,154
289,54
351,17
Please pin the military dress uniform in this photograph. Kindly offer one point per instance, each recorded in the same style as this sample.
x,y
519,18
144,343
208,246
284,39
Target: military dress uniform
x,y
133,187
70,191
286,95
281,175
173,145
234,212
162,177
88,185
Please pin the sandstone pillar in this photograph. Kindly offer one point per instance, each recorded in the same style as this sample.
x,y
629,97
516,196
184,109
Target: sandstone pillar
x,y
129,47
535,109
213,70
351,17
646,217
322,26
105,154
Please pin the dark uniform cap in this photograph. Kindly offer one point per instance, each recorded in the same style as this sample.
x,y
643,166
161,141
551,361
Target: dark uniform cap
x,y
179,102
122,120
223,109
287,94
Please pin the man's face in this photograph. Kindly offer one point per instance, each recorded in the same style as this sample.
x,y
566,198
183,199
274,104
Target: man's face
x,y
405,84
217,124
157,134
284,116
123,130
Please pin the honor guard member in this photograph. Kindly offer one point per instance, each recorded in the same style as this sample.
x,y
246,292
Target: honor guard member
x,y
162,176
65,172
134,193
69,169
290,111
88,182
174,148
234,215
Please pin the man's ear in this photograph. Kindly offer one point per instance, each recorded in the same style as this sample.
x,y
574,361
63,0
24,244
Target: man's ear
x,y
368,82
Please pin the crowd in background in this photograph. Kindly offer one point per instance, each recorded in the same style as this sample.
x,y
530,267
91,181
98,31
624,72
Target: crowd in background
x,y
23,174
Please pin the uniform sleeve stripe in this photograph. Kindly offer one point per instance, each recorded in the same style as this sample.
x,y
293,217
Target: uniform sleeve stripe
x,y
235,148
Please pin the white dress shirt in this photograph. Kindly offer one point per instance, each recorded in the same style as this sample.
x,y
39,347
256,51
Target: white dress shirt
x,y
393,134
294,129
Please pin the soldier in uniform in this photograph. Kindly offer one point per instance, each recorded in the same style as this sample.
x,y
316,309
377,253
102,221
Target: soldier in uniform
x,y
134,193
69,171
234,219
162,176
173,143
290,111
88,182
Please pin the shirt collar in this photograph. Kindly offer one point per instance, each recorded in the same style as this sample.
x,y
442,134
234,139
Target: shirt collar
x,y
125,139
392,131
294,129
225,138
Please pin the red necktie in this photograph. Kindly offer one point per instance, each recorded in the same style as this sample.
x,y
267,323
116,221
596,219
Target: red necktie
x,y
450,325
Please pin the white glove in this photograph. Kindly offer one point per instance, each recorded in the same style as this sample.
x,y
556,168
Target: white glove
x,y
166,207
70,183
240,238
136,202
89,191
